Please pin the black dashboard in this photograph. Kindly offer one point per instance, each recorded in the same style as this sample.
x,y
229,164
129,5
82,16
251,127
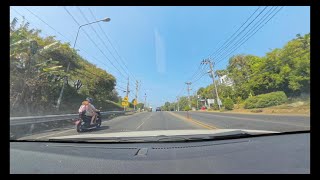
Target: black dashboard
x,y
275,154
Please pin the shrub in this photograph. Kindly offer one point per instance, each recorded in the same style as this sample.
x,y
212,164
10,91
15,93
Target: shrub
x,y
187,108
209,109
215,106
239,100
266,100
228,104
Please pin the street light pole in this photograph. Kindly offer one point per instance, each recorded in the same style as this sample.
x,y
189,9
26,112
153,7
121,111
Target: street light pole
x,y
68,67
145,101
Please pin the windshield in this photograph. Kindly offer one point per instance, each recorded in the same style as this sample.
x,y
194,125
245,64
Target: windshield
x,y
104,72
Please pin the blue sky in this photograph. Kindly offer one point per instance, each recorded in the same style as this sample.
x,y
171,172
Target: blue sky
x,y
163,46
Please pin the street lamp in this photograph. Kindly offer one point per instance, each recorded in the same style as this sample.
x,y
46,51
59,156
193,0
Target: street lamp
x,y
106,20
74,45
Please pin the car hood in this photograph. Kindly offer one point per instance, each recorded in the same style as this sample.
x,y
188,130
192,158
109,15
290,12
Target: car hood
x,y
167,133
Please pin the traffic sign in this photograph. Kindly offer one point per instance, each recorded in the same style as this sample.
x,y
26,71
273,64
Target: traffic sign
x,y
126,99
124,103
210,101
135,102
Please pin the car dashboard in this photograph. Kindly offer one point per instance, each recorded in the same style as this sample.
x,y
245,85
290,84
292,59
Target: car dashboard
x,y
276,154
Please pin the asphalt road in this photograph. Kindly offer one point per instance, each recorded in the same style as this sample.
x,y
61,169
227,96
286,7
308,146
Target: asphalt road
x,y
195,120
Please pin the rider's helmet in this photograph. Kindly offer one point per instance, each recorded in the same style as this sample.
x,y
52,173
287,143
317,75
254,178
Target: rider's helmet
x,y
90,100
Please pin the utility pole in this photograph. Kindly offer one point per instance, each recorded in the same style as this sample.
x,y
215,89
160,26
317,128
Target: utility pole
x,y
136,99
207,61
197,101
188,88
127,94
145,101
178,102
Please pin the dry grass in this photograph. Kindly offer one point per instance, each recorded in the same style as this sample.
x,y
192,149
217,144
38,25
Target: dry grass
x,y
299,107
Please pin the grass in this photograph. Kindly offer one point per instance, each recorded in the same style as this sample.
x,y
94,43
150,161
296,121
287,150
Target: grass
x,y
293,106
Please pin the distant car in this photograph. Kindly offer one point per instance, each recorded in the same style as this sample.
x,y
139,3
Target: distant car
x,y
158,109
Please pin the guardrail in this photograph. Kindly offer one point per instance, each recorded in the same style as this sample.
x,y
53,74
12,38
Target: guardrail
x,y
49,118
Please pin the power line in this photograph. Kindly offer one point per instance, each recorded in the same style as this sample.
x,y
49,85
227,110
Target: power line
x,y
199,78
26,19
219,50
236,43
94,43
121,82
45,22
251,34
105,34
199,72
181,90
120,89
196,72
84,16
240,32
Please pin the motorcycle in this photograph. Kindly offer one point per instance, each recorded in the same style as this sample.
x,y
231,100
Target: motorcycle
x,y
83,122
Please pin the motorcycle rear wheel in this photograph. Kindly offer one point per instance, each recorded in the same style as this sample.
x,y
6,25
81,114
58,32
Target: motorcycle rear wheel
x,y
78,127
98,123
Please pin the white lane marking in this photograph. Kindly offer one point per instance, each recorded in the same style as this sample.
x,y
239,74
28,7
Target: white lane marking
x,y
144,120
249,119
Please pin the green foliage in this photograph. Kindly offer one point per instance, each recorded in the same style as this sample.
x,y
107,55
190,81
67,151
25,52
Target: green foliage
x,y
228,104
183,101
239,100
266,100
186,108
284,69
140,105
215,106
37,70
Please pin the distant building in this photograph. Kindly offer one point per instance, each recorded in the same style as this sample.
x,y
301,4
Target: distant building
x,y
225,80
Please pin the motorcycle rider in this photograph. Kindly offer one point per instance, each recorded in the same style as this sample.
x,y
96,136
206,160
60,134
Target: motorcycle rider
x,y
89,109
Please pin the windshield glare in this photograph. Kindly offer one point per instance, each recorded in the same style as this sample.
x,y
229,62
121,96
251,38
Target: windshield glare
x,y
143,72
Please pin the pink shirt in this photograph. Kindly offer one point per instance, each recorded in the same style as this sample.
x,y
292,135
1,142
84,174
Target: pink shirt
x,y
90,109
